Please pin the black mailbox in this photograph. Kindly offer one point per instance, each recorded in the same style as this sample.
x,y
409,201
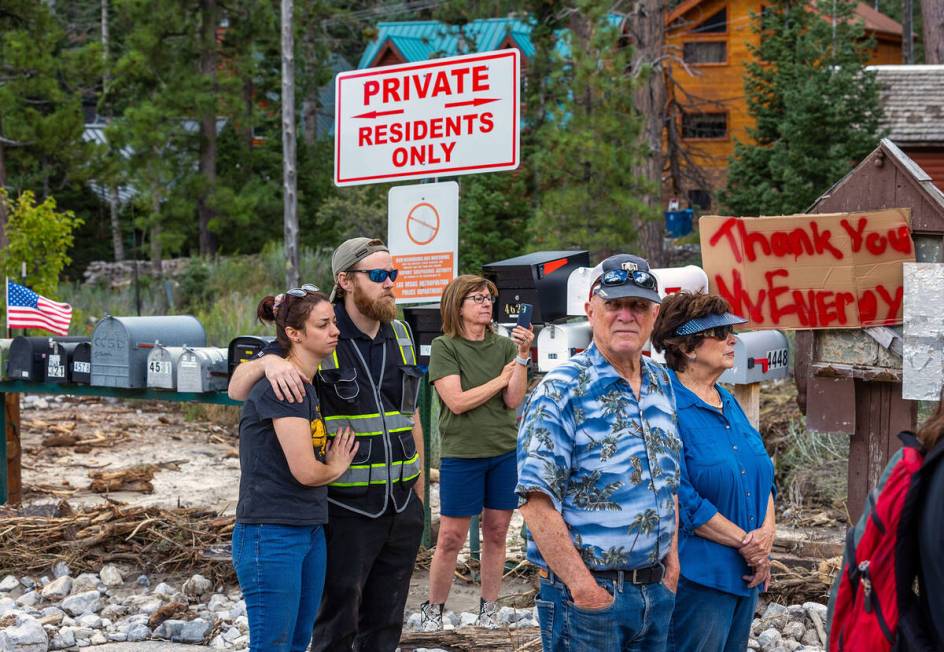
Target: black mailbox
x,y
539,279
28,356
426,323
242,348
81,364
58,367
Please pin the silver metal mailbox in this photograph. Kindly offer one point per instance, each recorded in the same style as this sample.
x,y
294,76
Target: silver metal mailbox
x,y
202,369
162,366
59,360
4,354
117,357
758,356
558,342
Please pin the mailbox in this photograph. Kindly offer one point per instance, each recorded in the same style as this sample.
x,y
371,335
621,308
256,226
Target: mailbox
x,y
202,369
539,279
162,366
82,363
118,357
4,354
690,278
242,348
426,323
758,356
558,342
59,360
27,359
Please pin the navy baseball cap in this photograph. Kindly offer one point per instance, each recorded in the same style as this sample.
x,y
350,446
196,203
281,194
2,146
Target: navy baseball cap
x,y
708,322
625,275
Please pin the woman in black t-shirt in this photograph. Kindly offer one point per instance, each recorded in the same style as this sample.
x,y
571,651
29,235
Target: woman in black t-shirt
x,y
285,462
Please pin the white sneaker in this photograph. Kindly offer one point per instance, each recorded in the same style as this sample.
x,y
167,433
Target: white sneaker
x,y
488,614
431,616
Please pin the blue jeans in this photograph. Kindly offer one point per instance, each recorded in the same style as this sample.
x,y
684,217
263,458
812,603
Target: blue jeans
x,y
638,619
709,620
281,571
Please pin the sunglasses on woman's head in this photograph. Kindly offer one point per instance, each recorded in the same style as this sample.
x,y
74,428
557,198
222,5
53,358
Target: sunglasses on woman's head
x,y
303,290
378,275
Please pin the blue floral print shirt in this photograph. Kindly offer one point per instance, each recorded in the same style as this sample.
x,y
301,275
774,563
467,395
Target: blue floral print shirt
x,y
607,461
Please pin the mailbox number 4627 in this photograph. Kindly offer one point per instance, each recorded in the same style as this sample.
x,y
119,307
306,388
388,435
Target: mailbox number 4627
x,y
777,358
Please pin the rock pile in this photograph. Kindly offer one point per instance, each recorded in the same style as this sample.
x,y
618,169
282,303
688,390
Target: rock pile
x,y
63,612
118,274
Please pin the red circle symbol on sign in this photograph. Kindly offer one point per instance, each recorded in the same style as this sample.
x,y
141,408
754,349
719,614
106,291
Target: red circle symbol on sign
x,y
422,223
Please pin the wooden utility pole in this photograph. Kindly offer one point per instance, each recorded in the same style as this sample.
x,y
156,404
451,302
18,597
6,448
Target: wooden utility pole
x,y
208,148
290,199
932,15
117,242
647,30
907,26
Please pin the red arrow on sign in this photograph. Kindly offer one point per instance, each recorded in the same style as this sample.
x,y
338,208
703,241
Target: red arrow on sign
x,y
378,114
476,102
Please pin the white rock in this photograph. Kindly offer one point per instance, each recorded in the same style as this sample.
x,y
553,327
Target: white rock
x,y
468,619
114,611
769,638
6,604
143,580
92,621
53,615
752,644
110,576
794,630
218,643
63,639
217,602
85,582
98,639
816,607
28,599
413,622
790,645
139,632
182,631
81,603
9,583
164,590
242,623
239,609
58,588
28,582
27,635
150,606
810,637
196,586
119,637
60,568
231,634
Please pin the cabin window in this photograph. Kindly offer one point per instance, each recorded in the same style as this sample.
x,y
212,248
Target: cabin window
x,y
704,125
716,24
705,52
699,199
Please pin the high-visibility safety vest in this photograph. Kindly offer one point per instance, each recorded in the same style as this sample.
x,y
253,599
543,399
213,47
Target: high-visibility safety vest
x,y
386,464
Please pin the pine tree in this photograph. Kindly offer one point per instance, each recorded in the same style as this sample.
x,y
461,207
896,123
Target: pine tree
x,y
588,140
815,106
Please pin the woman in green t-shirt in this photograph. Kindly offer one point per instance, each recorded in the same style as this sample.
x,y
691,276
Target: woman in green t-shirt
x,y
481,379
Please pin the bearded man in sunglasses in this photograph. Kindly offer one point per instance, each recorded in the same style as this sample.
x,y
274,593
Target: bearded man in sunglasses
x,y
370,384
598,472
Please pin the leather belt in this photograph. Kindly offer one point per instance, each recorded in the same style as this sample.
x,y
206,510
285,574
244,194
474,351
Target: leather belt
x,y
644,575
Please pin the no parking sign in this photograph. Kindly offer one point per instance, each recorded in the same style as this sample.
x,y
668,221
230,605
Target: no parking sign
x,y
423,236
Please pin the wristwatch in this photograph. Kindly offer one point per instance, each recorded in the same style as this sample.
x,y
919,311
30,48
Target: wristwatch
x,y
522,361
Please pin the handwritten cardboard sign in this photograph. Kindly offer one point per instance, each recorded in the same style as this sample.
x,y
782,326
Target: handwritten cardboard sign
x,y
835,270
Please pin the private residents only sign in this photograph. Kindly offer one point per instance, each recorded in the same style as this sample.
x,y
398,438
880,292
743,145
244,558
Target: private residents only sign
x,y
442,117
836,270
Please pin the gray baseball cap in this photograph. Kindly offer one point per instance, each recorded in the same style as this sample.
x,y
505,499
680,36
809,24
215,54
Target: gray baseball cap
x,y
349,253
625,275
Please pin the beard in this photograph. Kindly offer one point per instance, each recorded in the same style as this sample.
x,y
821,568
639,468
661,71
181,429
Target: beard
x,y
383,309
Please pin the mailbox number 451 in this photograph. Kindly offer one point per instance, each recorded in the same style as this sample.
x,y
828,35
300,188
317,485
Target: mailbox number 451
x,y
777,358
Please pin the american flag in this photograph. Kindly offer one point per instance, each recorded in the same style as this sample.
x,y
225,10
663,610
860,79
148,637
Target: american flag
x,y
26,309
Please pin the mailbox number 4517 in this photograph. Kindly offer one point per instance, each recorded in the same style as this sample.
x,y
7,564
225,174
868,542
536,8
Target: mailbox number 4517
x,y
777,358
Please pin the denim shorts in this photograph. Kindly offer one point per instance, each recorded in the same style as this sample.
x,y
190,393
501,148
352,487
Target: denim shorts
x,y
466,485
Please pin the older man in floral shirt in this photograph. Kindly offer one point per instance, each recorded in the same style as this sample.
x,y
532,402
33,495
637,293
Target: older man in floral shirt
x,y
598,471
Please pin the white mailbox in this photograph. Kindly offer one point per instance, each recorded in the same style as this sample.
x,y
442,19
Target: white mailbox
x,y
202,369
690,278
162,366
558,342
758,356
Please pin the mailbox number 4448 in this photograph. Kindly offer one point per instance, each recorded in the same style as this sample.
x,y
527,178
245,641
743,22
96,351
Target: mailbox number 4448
x,y
777,358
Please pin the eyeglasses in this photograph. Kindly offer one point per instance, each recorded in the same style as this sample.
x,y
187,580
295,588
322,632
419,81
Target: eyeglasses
x,y
481,298
303,290
637,277
718,332
378,275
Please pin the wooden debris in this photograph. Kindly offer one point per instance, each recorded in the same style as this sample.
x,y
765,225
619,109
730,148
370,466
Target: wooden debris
x,y
166,612
474,638
133,478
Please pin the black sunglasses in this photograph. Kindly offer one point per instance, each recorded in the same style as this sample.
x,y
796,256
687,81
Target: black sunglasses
x,y
637,277
378,275
718,332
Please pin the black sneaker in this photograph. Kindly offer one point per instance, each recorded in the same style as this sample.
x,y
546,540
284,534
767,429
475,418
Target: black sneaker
x,y
431,616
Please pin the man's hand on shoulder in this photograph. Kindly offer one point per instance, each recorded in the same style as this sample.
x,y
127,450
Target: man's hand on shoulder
x,y
287,381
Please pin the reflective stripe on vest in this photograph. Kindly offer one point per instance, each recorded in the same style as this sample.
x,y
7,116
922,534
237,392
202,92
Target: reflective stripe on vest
x,y
362,475
369,425
404,343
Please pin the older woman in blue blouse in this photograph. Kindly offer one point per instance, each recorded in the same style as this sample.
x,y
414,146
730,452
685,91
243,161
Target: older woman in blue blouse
x,y
726,497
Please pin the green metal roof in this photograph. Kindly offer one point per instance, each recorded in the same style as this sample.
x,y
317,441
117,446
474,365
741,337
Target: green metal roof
x,y
428,39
